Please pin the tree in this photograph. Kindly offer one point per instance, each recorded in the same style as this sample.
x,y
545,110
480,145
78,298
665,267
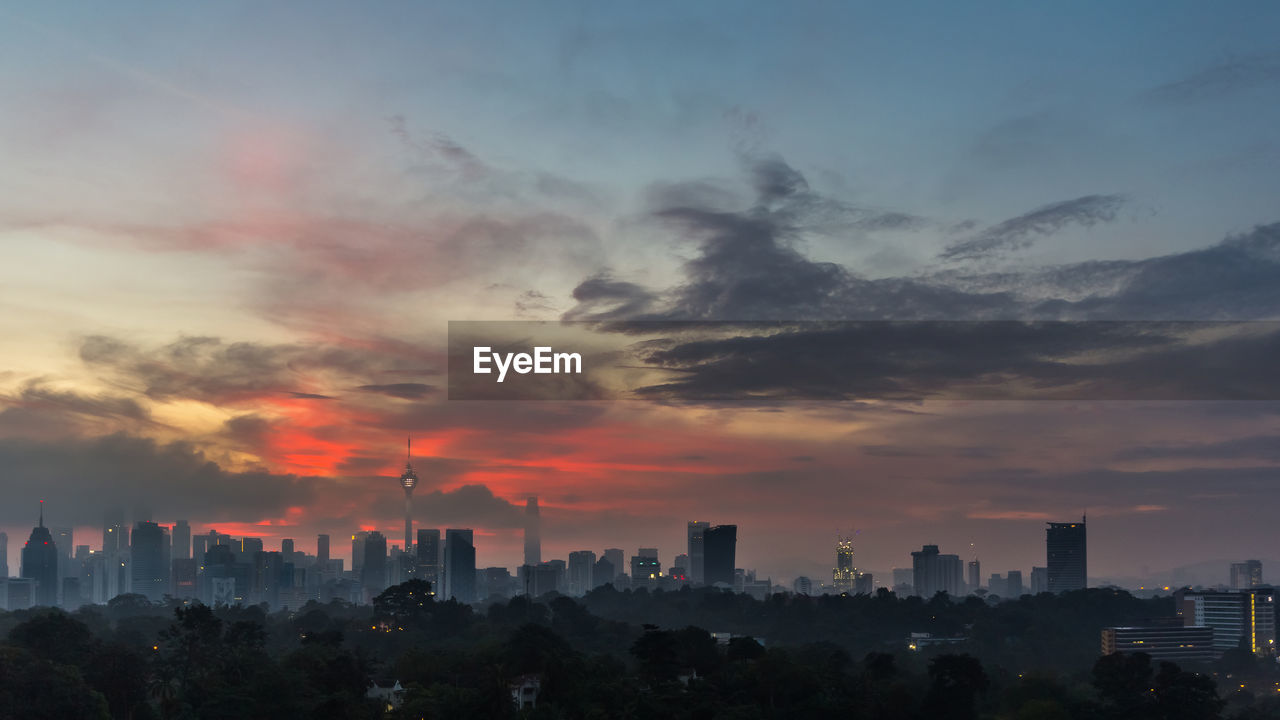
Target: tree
x,y
955,681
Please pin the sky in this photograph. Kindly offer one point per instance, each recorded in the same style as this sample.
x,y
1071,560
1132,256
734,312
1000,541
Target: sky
x,y
234,235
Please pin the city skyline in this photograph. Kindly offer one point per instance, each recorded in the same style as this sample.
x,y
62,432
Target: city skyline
x,y
234,244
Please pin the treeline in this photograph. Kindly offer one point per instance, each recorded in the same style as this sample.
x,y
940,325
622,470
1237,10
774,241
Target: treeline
x,y
612,655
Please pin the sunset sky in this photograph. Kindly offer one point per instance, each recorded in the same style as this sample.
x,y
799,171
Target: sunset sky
x,y
233,236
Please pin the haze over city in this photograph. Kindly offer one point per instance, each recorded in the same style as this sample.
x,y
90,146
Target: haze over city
x,y
229,268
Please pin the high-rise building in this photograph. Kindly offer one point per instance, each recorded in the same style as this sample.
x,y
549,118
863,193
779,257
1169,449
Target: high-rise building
x,y
842,576
532,532
373,568
615,558
357,551
181,540
975,575
408,481
63,537
1039,580
4,555
322,550
40,564
720,554
933,572
427,561
697,571
1013,584
183,575
581,571
603,573
645,568
802,586
113,531
1236,616
1066,550
682,562
1247,574
149,553
459,565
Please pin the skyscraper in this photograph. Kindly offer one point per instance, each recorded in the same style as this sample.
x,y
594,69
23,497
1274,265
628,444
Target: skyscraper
x,y
357,551
40,563
4,555
615,558
181,540
933,572
1067,556
975,575
149,551
697,557
581,571
1247,574
408,481
322,550
532,532
719,545
373,571
113,531
427,566
843,574
459,565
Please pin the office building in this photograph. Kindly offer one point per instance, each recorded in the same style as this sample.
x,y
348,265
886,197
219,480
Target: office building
x,y
1247,616
1066,552
645,568
1013,584
604,572
113,531
802,586
183,574
1247,574
581,571
322,551
4,555
719,545
1174,643
933,572
373,568
975,576
40,565
842,576
1039,580
427,557
697,572
459,565
357,551
149,554
181,542
532,532
615,558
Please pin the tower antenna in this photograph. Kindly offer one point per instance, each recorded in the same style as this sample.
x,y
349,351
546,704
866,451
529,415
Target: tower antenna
x,y
42,513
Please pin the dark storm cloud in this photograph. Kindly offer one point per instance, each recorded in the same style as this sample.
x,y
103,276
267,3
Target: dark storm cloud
x,y
206,368
36,396
985,360
404,391
1021,232
81,477
1235,75
601,297
469,506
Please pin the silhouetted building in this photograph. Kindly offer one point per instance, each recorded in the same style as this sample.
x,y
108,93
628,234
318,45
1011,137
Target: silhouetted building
x,y
1039,580
357,551
615,557
183,575
532,532
645,568
697,558
459,565
604,572
975,576
1013,584
322,550
1247,574
149,555
113,531
1174,643
933,572
40,564
181,540
427,559
4,555
720,553
802,586
408,481
581,572
1067,556
373,570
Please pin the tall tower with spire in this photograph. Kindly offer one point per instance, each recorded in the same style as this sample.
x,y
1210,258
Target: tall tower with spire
x,y
40,563
408,481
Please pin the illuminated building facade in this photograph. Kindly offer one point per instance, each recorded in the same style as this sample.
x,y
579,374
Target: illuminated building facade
x,y
1242,615
842,577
